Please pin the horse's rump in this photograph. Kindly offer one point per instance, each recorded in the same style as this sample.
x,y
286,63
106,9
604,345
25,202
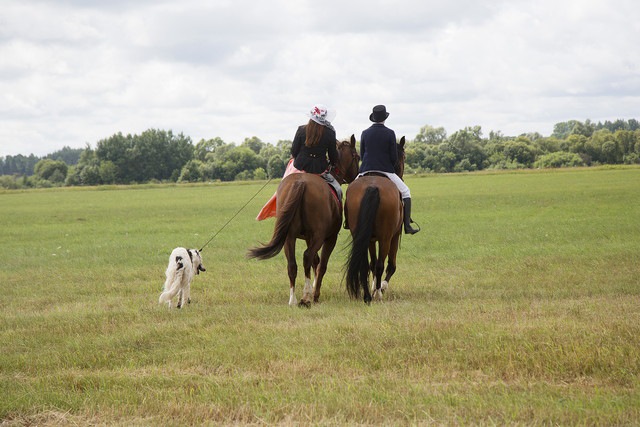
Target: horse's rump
x,y
390,202
318,206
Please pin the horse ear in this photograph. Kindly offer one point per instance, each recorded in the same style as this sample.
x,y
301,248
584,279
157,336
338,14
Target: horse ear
x,y
401,142
353,140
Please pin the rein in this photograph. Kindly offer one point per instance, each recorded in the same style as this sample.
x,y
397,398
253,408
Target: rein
x,y
337,172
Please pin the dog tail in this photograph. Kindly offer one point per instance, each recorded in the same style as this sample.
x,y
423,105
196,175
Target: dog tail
x,y
172,285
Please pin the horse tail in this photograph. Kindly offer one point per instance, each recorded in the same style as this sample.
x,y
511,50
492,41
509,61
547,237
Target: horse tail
x,y
358,262
290,208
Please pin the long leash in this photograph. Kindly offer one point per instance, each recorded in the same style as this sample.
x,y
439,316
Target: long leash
x,y
235,215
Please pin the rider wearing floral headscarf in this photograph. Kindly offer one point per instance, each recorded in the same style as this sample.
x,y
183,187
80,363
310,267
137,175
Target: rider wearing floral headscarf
x,y
312,144
314,141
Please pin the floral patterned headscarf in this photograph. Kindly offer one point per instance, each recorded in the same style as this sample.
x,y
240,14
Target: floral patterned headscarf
x,y
322,115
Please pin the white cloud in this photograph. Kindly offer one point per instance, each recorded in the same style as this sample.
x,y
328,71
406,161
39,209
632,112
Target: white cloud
x,y
73,72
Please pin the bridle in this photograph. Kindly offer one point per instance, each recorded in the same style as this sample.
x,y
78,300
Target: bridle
x,y
338,174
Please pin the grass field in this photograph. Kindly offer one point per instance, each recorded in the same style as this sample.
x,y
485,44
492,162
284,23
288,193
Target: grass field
x,y
518,303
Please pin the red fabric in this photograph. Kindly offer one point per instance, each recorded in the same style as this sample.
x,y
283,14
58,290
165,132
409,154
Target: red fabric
x,y
269,209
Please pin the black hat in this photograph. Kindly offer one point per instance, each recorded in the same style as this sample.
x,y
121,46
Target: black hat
x,y
379,114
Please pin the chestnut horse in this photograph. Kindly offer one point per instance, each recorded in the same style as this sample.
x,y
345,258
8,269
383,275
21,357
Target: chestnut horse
x,y
308,209
374,209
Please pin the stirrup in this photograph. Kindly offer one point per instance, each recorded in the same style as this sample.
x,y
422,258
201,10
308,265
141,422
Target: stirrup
x,y
408,229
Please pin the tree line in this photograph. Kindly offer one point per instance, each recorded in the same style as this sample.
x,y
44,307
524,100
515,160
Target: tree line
x,y
161,156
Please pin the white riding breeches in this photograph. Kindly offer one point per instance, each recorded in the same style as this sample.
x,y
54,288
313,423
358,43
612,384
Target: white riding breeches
x,y
402,187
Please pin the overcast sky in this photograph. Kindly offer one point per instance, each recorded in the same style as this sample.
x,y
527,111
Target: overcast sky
x,y
74,72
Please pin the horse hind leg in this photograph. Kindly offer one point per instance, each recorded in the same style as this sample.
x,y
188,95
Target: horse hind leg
x,y
391,268
372,265
307,293
292,269
377,291
310,259
316,263
391,263
321,268
379,269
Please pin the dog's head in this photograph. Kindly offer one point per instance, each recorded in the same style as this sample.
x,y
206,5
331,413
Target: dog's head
x,y
196,259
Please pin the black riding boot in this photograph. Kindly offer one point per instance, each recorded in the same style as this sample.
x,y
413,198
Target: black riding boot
x,y
408,229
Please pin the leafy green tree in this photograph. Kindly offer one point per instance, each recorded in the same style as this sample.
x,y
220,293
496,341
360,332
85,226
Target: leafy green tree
x,y
254,144
237,160
118,150
587,128
574,143
431,135
108,172
611,153
90,175
69,155
73,178
160,153
260,174
51,170
154,154
466,144
205,147
415,155
192,171
439,159
87,171
464,165
626,140
276,166
562,130
548,145
284,145
244,176
520,151
19,165
558,159
8,182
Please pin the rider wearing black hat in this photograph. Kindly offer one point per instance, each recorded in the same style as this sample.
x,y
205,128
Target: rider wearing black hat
x,y
379,153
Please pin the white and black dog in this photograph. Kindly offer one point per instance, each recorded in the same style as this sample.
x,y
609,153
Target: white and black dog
x,y
183,265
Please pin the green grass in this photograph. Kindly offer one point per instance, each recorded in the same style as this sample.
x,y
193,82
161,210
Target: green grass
x,y
518,303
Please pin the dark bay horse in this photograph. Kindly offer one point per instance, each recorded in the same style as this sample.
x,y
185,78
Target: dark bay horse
x,y
374,209
308,209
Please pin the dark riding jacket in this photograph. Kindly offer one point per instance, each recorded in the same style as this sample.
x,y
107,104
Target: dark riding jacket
x,y
314,159
378,149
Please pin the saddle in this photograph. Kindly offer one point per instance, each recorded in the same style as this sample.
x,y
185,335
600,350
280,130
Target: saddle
x,y
335,190
374,173
380,174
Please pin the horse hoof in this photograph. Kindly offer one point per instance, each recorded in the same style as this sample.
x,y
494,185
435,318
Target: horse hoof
x,y
384,286
306,304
